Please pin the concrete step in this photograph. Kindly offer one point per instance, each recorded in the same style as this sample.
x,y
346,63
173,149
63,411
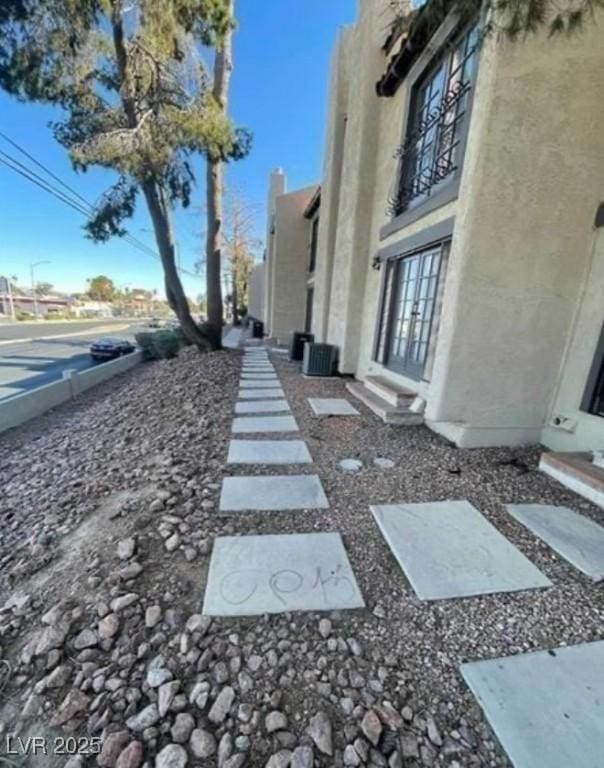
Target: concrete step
x,y
577,473
399,397
388,413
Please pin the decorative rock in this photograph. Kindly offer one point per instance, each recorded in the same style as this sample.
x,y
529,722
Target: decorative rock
x,y
73,704
372,727
52,637
182,728
172,543
275,721
165,696
124,601
144,719
351,757
132,756
152,616
172,756
325,628
202,744
222,705
86,639
113,746
281,759
125,548
109,626
59,676
320,732
302,758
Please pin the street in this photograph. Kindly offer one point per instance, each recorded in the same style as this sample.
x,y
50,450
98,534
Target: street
x,y
35,354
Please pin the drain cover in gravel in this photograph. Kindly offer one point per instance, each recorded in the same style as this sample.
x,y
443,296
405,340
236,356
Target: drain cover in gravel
x,y
261,406
251,575
268,452
264,424
575,537
350,465
546,707
272,493
383,463
260,394
448,549
332,406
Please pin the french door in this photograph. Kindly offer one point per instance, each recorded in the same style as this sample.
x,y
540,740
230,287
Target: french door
x,y
411,299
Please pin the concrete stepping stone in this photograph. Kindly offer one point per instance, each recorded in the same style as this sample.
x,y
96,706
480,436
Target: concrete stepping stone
x,y
261,406
257,369
272,493
262,376
268,452
546,707
332,406
260,394
256,384
252,424
252,575
448,549
575,537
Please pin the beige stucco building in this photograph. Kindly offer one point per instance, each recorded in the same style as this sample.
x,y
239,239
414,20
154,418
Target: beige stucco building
x,y
292,226
460,234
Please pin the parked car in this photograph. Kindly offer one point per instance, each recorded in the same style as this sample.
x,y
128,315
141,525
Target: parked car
x,y
110,348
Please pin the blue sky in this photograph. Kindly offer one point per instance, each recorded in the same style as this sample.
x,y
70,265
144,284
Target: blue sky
x,y
279,91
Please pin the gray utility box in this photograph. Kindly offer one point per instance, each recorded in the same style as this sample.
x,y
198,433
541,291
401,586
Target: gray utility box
x,y
319,359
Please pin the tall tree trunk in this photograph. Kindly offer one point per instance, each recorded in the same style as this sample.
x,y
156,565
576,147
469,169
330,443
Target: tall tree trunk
x,y
235,295
223,66
157,205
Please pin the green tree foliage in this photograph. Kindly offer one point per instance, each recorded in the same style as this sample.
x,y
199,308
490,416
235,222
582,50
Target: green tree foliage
x,y
512,19
136,99
101,288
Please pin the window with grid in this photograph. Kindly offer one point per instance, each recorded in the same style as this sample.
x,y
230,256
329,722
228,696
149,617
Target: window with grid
x,y
439,108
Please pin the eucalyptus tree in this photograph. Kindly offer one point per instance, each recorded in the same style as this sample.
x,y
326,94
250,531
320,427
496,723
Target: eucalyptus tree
x,y
135,98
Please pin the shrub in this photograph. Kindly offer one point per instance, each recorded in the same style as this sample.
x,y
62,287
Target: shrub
x,y
145,342
166,344
182,339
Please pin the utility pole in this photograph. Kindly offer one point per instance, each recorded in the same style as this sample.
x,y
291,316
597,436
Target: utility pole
x,y
33,284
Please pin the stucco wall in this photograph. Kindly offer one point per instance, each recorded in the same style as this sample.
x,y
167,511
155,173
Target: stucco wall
x,y
256,291
523,237
335,139
290,270
587,430
276,186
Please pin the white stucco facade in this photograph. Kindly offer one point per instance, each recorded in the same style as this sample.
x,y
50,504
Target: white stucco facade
x,y
520,301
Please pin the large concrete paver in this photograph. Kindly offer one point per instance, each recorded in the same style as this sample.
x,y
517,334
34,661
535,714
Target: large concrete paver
x,y
268,452
261,406
448,549
256,384
332,406
252,575
251,424
272,493
546,707
260,394
575,537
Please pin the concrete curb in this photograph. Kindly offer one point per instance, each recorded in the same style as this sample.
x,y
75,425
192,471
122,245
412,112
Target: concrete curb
x,y
21,408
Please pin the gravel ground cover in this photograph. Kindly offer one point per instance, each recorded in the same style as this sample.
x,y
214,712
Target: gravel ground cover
x,y
108,512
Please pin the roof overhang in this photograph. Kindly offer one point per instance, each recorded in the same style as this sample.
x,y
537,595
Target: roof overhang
x,y
313,204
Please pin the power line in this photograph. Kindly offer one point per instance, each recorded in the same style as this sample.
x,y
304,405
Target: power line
x,y
29,174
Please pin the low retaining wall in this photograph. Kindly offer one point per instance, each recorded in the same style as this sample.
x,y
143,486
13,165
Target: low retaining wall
x,y
21,408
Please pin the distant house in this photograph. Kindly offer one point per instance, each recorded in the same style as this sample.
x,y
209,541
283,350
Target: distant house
x,y
90,308
43,306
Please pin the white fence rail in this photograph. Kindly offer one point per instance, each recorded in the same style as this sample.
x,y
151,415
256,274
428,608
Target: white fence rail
x,y
21,408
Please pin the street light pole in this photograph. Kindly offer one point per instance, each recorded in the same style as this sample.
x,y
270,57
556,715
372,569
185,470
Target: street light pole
x,y
33,284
